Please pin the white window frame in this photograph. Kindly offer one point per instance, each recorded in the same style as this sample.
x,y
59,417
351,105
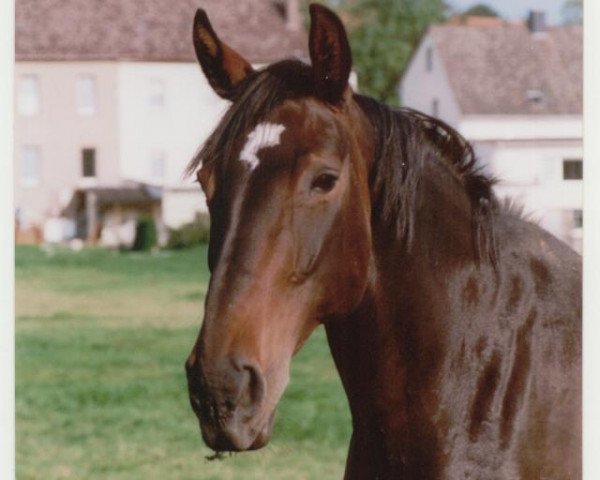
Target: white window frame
x,y
86,93
157,92
429,59
576,228
158,164
577,218
30,166
28,95
435,107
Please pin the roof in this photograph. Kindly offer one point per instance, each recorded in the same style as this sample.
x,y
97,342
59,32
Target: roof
x,y
126,193
505,69
149,30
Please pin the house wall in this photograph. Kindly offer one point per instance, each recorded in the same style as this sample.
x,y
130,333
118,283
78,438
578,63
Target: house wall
x,y
526,154
420,86
531,174
190,110
181,205
523,127
128,130
59,133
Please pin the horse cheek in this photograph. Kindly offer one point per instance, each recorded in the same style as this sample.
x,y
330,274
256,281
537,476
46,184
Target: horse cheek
x,y
350,259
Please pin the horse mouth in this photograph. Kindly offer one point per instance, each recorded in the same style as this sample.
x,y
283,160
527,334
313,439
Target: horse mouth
x,y
235,410
233,434
229,423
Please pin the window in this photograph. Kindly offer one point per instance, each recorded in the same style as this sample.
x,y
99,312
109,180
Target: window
x,y
573,169
30,166
535,97
156,98
429,59
577,218
88,162
157,165
86,94
28,99
435,107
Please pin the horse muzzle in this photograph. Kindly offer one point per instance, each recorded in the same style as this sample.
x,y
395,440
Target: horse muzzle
x,y
228,399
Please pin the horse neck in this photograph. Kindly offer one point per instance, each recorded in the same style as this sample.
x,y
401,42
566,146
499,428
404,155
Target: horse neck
x,y
443,220
397,331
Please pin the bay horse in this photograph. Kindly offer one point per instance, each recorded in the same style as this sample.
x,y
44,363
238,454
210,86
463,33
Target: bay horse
x,y
454,323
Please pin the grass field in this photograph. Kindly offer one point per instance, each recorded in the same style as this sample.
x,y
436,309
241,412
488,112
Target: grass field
x,y
101,338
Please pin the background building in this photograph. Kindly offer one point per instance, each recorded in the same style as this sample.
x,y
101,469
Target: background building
x,y
515,91
110,103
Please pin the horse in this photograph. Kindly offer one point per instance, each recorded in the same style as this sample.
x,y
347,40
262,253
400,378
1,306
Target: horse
x,y
453,321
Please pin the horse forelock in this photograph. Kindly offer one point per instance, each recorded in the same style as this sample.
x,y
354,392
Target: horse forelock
x,y
259,94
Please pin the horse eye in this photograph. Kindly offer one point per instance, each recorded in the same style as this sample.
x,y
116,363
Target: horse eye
x,y
324,183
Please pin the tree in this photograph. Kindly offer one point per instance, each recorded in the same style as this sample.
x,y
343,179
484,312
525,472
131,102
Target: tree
x,y
383,34
480,10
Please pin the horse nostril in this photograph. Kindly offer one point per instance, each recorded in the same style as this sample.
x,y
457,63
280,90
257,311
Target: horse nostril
x,y
231,388
256,385
194,381
251,386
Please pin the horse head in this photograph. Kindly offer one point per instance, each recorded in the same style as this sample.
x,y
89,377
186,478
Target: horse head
x,y
286,180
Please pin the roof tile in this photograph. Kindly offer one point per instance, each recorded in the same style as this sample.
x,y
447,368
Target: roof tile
x,y
148,30
508,70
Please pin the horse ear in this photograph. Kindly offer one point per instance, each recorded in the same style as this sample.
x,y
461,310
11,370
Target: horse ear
x,y
224,67
329,53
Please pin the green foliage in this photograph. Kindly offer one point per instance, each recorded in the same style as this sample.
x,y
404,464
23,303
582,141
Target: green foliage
x,y
145,234
481,10
383,37
101,338
190,234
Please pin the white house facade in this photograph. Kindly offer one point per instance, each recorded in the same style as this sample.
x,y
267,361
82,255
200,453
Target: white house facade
x,y
166,111
111,107
65,135
516,94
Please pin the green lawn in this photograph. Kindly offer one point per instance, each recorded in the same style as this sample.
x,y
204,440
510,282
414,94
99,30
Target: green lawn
x,y
100,386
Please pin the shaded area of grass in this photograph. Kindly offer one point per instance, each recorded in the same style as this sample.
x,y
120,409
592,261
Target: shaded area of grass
x,y
101,393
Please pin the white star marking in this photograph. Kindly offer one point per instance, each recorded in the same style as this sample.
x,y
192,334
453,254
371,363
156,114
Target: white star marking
x,y
264,135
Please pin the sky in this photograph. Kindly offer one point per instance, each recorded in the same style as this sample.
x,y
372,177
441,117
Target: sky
x,y
517,9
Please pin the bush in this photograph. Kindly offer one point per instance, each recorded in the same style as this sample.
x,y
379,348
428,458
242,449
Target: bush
x,y
145,234
190,234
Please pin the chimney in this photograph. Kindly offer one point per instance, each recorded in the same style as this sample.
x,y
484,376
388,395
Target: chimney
x,y
293,19
536,21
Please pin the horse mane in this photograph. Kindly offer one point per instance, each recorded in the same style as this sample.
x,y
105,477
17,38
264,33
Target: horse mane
x,y
406,139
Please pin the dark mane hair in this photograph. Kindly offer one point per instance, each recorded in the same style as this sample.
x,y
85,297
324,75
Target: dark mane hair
x,y
405,139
